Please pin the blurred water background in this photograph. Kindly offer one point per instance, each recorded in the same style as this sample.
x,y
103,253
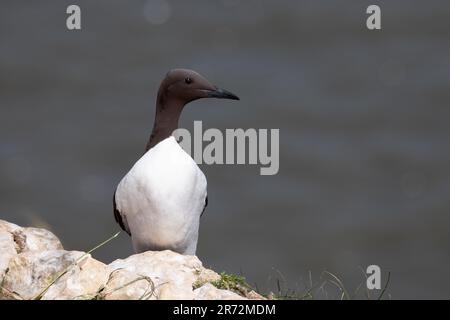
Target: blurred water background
x,y
363,116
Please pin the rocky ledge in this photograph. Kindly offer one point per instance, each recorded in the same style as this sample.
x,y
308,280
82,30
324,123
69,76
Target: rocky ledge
x,y
34,265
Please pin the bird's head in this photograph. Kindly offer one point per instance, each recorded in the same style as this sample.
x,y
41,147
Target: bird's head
x,y
184,86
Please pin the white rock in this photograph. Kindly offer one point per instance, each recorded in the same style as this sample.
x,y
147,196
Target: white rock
x,y
35,239
30,239
125,285
8,226
84,281
173,274
31,259
31,272
15,239
7,251
209,292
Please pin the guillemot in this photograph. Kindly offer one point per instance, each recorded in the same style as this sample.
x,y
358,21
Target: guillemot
x,y
160,200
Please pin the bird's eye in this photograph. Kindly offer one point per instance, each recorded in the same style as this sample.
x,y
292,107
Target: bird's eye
x,y
188,80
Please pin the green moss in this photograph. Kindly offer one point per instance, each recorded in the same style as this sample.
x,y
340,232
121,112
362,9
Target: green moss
x,y
197,284
232,282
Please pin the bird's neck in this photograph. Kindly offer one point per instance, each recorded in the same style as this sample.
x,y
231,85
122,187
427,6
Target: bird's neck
x,y
166,120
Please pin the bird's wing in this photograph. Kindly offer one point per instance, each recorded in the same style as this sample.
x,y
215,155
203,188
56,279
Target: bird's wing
x,y
120,219
206,204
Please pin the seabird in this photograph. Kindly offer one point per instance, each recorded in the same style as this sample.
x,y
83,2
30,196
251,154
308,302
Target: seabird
x,y
160,200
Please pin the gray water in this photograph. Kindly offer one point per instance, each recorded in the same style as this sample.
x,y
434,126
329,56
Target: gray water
x,y
363,116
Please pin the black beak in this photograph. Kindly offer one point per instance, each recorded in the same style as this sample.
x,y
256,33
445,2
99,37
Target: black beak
x,y
222,94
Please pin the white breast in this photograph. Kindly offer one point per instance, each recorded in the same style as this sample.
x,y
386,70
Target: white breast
x,y
162,198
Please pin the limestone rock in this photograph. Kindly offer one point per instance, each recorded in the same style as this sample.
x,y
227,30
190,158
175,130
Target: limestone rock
x,y
7,251
209,292
33,264
126,285
30,239
83,281
15,239
8,226
173,274
35,239
31,272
